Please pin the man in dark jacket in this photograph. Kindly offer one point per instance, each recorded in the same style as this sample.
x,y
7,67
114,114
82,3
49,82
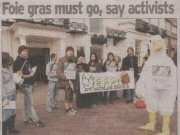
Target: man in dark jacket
x,y
130,62
23,66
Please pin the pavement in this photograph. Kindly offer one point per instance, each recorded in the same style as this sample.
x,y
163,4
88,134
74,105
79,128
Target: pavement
x,y
118,118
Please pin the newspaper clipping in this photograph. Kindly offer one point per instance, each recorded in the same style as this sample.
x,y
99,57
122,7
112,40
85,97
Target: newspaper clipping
x,y
81,67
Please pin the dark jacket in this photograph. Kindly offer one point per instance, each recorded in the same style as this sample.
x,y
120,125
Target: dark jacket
x,y
18,63
130,62
83,67
94,67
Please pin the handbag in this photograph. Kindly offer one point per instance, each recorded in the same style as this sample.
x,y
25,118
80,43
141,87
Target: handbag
x,y
17,79
140,104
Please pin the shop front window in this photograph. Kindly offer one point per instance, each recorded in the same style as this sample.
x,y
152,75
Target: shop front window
x,y
95,25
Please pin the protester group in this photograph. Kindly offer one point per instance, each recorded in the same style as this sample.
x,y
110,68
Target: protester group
x,y
57,79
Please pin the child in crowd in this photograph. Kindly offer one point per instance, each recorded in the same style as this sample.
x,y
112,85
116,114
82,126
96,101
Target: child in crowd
x,y
53,92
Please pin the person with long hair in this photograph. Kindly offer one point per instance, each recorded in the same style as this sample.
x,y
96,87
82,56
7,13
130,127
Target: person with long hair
x,y
94,67
110,65
130,62
8,94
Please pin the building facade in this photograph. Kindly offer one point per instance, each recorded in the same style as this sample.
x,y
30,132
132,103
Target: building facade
x,y
46,36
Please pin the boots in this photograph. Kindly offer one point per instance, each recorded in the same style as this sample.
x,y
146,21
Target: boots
x,y
11,125
151,124
165,126
4,128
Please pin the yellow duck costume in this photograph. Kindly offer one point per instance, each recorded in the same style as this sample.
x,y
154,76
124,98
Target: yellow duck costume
x,y
158,85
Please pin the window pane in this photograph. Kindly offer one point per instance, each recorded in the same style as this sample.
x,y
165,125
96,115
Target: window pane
x,y
95,25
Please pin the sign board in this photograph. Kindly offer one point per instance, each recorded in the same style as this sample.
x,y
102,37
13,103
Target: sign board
x,y
109,81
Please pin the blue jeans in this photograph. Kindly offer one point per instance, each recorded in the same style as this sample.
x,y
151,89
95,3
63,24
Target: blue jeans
x,y
7,113
28,106
53,94
129,94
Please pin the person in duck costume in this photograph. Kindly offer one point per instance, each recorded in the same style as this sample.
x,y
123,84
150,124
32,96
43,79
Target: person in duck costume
x,y
158,85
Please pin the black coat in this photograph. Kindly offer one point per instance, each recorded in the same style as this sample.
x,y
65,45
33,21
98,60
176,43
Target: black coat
x,y
126,65
83,67
18,63
82,100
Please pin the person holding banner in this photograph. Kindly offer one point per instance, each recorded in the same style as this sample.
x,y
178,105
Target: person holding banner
x,y
66,73
100,96
8,96
110,66
53,92
82,100
94,67
130,62
24,67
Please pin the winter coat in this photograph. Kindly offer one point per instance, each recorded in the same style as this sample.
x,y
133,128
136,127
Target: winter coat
x,y
51,71
127,64
63,82
18,63
8,85
94,67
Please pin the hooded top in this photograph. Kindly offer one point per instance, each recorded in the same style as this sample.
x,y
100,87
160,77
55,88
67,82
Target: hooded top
x,y
8,85
159,72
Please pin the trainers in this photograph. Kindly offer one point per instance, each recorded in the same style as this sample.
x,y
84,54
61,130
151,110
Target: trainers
x,y
73,110
40,124
56,107
28,121
70,112
48,109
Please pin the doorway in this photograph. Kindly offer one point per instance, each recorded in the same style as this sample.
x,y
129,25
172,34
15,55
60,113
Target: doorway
x,y
40,57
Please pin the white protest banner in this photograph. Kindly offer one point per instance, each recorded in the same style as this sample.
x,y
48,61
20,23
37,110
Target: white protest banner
x,y
97,82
